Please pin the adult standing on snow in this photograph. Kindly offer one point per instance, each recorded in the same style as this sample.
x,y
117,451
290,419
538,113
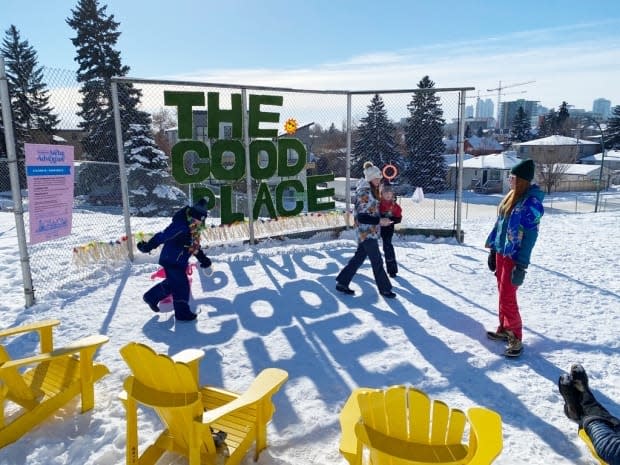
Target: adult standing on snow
x,y
367,224
511,242
181,240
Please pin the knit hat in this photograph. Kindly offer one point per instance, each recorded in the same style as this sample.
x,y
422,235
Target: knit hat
x,y
199,210
371,171
524,170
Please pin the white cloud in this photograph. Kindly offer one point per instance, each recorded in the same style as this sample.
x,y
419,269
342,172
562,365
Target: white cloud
x,y
578,71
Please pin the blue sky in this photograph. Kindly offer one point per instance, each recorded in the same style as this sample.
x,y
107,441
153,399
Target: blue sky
x,y
571,49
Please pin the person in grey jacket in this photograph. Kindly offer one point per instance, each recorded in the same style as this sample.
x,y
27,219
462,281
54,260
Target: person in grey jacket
x,y
367,229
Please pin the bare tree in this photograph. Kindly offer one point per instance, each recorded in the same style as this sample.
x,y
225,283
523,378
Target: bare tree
x,y
549,172
162,119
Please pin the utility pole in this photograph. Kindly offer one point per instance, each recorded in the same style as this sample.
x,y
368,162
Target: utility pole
x,y
499,89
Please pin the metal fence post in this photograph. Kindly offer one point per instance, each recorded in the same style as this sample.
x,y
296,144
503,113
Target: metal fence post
x,y
121,166
18,210
248,173
347,194
576,203
459,176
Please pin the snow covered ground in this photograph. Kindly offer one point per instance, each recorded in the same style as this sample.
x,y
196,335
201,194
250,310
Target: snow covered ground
x,y
275,305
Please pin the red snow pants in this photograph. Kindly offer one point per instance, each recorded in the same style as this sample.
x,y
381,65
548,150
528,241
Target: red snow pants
x,y
509,316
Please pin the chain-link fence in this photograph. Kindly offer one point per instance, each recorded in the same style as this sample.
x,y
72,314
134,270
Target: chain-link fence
x,y
338,131
414,136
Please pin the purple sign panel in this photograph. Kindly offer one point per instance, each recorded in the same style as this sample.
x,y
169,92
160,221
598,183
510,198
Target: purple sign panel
x,y
49,171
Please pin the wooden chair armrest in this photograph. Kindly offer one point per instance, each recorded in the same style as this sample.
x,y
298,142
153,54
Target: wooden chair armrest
x,y
86,343
192,358
487,426
27,328
266,384
188,356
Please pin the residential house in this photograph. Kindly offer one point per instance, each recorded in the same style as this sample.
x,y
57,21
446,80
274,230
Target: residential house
x,y
556,149
612,159
486,173
580,177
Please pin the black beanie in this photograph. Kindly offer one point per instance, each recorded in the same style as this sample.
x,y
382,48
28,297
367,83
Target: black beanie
x,y
524,170
199,210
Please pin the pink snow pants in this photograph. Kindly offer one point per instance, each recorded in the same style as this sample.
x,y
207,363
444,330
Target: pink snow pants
x,y
509,316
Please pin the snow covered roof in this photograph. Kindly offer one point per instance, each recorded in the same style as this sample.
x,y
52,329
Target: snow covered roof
x,y
609,155
56,138
581,170
484,142
558,140
498,161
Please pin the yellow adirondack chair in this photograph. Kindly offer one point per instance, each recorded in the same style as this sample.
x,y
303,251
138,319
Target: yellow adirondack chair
x,y
192,413
56,376
585,438
402,426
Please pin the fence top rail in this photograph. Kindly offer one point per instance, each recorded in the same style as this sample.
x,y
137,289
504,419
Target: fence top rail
x,y
285,89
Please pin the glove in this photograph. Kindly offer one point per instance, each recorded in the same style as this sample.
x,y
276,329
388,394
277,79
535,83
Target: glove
x,y
143,247
206,271
205,266
491,260
518,275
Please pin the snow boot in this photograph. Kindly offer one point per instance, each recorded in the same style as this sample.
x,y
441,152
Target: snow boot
x,y
344,289
592,409
572,398
515,347
152,306
499,335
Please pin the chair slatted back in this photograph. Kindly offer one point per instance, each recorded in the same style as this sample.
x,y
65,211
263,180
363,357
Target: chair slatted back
x,y
167,386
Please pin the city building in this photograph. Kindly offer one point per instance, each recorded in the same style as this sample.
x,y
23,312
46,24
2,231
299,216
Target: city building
x,y
508,111
602,107
484,108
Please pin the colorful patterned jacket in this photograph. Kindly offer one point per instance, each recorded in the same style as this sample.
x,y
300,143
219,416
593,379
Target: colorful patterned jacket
x,y
367,214
514,236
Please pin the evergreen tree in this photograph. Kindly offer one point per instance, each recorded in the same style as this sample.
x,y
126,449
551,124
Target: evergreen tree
x,y
149,181
98,62
521,126
374,139
563,120
612,136
29,97
548,124
424,140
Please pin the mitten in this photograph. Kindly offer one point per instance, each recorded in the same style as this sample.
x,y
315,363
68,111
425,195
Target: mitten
x,y
205,265
518,275
491,260
143,247
207,271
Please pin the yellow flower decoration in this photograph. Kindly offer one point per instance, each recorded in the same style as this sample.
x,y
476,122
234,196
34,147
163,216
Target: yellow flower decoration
x,y
290,126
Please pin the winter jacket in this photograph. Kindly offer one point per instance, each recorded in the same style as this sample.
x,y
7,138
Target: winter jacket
x,y
514,236
391,210
366,215
178,241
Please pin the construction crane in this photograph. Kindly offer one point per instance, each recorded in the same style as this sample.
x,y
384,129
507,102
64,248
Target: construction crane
x,y
478,97
499,89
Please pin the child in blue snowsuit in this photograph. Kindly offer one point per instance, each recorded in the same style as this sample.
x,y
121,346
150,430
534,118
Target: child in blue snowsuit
x,y
181,240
